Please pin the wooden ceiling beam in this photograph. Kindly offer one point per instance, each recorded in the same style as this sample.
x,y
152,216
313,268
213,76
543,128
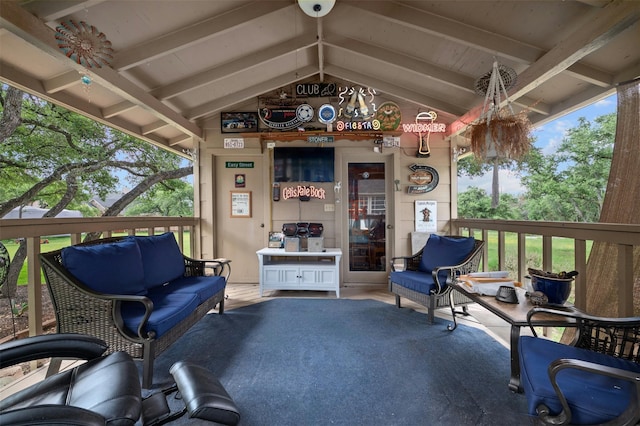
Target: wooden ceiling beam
x,y
487,41
234,68
193,34
249,92
405,63
33,31
20,80
410,95
52,11
604,25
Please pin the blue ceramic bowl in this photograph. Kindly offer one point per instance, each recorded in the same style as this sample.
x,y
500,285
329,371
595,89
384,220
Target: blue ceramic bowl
x,y
557,290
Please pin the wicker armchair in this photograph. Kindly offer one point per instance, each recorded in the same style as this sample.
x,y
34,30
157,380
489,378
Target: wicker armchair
x,y
434,293
79,309
593,380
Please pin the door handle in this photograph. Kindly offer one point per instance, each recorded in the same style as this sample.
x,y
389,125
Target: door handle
x,y
389,226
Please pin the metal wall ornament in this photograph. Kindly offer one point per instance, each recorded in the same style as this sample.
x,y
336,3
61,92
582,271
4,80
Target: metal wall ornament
x,y
389,116
499,132
426,178
327,114
84,44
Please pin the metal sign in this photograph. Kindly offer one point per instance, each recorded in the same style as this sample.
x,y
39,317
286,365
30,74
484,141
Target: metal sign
x,y
233,143
426,178
316,89
238,164
319,139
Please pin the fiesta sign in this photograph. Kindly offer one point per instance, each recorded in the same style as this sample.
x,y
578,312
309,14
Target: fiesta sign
x,y
304,192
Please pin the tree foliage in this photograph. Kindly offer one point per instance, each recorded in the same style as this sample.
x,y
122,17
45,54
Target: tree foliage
x,y
568,185
171,198
476,203
58,159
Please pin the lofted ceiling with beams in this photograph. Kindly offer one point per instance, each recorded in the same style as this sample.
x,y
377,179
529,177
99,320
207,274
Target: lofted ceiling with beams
x,y
178,63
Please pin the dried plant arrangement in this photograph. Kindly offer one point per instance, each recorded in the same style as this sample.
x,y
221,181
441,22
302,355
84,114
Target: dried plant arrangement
x,y
505,136
499,132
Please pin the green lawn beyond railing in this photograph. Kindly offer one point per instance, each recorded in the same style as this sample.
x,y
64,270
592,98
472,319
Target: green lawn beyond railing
x,y
48,244
563,252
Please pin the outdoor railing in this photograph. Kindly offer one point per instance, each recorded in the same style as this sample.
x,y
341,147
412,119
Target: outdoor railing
x,y
622,236
36,230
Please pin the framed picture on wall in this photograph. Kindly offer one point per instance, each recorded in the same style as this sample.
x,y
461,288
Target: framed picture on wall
x,y
240,203
238,122
426,215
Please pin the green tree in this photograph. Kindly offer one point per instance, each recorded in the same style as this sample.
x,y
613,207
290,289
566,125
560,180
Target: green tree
x,y
476,203
474,167
570,184
59,159
172,198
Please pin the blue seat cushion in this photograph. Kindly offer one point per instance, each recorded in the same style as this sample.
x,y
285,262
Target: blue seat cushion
x,y
162,260
95,266
444,251
203,287
593,398
414,280
168,310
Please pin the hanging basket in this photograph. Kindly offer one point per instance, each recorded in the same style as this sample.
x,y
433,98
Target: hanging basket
x,y
499,133
505,136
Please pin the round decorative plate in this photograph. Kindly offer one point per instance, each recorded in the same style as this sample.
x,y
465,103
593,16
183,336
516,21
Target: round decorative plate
x,y
304,112
326,114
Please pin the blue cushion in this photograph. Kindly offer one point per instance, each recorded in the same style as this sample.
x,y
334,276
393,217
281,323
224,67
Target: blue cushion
x,y
444,251
204,287
168,310
593,398
111,268
414,280
162,260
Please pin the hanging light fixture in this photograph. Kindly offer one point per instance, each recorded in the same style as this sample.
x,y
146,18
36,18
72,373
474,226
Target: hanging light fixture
x,y
316,8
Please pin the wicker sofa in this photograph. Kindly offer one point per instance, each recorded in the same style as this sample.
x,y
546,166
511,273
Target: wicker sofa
x,y
138,294
423,277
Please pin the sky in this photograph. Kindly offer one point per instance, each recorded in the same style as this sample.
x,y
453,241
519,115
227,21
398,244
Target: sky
x,y
548,137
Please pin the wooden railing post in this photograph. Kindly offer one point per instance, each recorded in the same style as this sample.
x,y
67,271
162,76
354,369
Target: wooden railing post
x,y
34,289
580,289
625,280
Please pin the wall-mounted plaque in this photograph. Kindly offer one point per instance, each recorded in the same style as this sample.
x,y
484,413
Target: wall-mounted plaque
x,y
425,178
240,203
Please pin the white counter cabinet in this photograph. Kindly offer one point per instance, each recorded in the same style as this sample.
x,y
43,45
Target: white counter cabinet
x,y
299,270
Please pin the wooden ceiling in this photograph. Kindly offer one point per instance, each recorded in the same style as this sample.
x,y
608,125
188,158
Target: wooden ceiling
x,y
178,63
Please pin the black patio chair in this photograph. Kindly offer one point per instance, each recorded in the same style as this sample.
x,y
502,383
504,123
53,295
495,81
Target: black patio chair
x,y
105,390
593,380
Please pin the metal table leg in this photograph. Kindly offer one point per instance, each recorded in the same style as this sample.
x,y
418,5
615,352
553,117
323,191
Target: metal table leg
x,y
514,381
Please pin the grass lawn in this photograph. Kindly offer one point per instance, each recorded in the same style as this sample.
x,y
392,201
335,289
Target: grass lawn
x,y
562,248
